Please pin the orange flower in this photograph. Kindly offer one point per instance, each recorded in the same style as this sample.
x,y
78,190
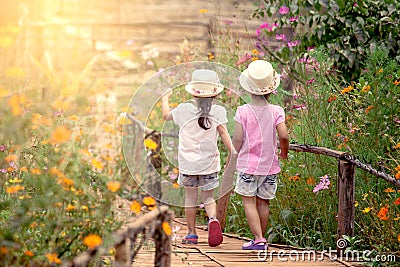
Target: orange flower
x,y
113,186
14,189
3,250
368,109
167,228
11,158
70,207
347,89
29,253
397,168
175,185
36,171
398,238
331,98
135,207
382,214
397,201
311,181
397,146
366,88
398,176
294,178
14,102
203,11
61,135
149,202
92,241
396,82
53,258
389,190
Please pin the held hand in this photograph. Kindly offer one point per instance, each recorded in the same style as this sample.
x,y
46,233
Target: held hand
x,y
283,156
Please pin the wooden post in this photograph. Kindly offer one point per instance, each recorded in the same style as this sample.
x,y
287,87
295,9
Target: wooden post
x,y
154,183
225,191
346,182
163,241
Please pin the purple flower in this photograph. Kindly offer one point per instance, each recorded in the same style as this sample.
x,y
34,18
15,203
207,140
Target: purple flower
x,y
323,184
3,170
284,10
2,148
280,37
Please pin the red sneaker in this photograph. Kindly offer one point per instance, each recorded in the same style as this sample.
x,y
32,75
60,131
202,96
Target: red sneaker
x,y
215,237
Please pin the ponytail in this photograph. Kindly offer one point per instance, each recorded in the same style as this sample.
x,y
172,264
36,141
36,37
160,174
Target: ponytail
x,y
204,105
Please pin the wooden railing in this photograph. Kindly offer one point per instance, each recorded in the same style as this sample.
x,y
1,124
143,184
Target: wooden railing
x,y
125,239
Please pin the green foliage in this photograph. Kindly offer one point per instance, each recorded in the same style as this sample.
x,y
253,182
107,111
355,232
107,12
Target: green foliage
x,y
349,30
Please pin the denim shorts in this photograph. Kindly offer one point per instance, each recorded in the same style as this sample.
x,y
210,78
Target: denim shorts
x,y
204,181
262,186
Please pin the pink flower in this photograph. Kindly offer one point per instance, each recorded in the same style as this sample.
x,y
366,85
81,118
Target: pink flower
x,y
323,184
280,37
284,10
294,43
310,81
299,107
294,19
228,21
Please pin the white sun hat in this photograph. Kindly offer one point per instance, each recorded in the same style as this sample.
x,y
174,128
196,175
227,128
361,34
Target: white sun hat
x,y
204,83
259,78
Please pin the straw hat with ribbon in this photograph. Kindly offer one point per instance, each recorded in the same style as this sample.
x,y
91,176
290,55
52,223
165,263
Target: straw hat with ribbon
x,y
204,83
259,78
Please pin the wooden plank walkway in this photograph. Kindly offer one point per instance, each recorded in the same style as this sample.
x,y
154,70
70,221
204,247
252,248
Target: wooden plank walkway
x,y
229,253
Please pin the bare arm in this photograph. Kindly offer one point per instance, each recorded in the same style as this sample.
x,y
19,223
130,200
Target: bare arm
x,y
226,139
166,111
238,136
283,140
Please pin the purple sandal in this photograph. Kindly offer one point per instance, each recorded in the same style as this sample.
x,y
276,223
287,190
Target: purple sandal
x,y
258,244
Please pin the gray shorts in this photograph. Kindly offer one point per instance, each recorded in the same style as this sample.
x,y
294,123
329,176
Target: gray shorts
x,y
262,186
204,181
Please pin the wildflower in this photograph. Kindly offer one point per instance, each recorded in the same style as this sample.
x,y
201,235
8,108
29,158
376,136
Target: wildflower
x,y
11,158
4,92
397,168
150,144
382,214
294,178
368,109
203,11
53,258
323,184
3,250
113,186
210,56
70,207
397,201
398,238
379,71
366,88
397,146
398,176
149,52
310,81
149,201
299,107
293,43
332,98
347,89
15,72
356,204
167,228
255,52
14,189
97,164
36,171
389,190
135,207
396,82
175,185
227,21
92,241
294,19
280,37
243,59
29,253
366,210
283,10
61,135
310,181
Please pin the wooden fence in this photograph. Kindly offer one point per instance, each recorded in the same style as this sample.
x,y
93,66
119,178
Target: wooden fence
x,y
150,224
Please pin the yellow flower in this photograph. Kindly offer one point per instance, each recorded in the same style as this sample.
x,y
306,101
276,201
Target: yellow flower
x,y
175,185
149,201
347,89
15,180
379,71
113,186
135,207
167,228
356,204
36,171
4,92
14,189
73,118
92,241
366,88
203,11
255,52
61,135
53,258
366,210
97,164
150,144
15,102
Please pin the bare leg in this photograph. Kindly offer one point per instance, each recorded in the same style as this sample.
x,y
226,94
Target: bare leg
x,y
207,197
253,218
263,213
190,208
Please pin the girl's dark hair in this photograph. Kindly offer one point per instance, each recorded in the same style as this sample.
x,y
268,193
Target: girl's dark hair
x,y
204,105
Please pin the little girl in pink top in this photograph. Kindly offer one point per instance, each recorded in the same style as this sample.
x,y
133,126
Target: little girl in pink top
x,y
255,139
